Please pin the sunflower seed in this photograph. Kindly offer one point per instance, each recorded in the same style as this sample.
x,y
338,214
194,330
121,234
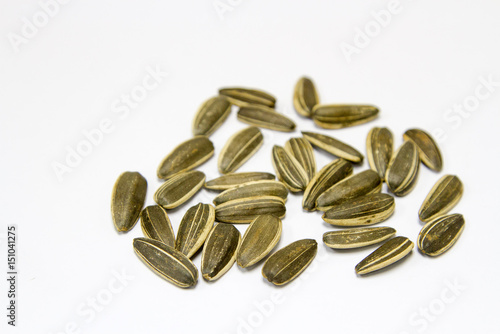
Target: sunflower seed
x,y
186,156
156,225
305,97
245,210
167,262
127,200
211,115
289,170
253,189
239,148
365,210
379,147
219,252
354,186
390,252
333,146
443,196
427,148
287,263
259,240
328,176
194,228
357,237
302,150
232,180
437,236
244,96
179,189
265,117
402,171
341,116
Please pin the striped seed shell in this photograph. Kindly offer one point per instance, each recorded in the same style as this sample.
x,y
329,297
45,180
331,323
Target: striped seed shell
x,y
357,237
338,116
288,262
334,146
443,196
167,262
329,175
239,148
245,210
179,189
194,228
253,189
244,96
427,148
390,252
127,200
219,252
231,180
305,96
186,156
288,170
354,186
402,172
302,150
437,236
156,225
379,148
211,115
265,117
259,240
365,210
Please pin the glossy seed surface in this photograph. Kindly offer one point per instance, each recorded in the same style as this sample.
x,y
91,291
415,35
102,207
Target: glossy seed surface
x,y
379,149
194,228
390,252
127,200
156,225
287,263
443,196
239,148
244,96
211,115
333,146
305,97
267,118
302,150
288,170
259,240
437,236
219,252
253,189
357,237
167,262
245,210
179,189
402,172
341,116
427,148
231,180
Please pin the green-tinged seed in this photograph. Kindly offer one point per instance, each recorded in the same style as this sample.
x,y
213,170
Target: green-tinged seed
x,y
402,172
357,237
379,148
239,148
390,252
186,156
259,240
179,189
333,146
305,97
127,200
427,148
443,196
329,175
341,116
354,186
156,225
194,228
265,117
244,96
253,189
167,262
365,210
231,180
211,115
288,170
245,210
287,263
437,236
219,252
302,150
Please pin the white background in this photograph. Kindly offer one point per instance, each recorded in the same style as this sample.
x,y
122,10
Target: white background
x,y
69,76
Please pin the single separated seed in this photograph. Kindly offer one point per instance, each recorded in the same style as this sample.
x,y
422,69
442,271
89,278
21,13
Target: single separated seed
x,y
333,146
244,96
253,189
231,180
390,252
338,116
427,148
438,235
127,200
379,148
156,225
194,228
179,189
305,97
211,115
245,210
443,196
357,237
402,172
265,117
239,148
289,170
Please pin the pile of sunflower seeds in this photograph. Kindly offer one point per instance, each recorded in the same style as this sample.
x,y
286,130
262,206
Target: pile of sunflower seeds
x,y
256,198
